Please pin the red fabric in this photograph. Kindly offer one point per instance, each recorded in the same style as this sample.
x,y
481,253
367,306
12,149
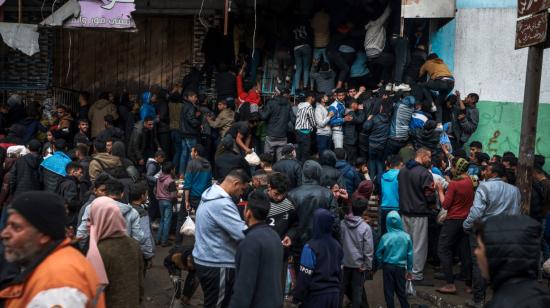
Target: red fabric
x,y
459,198
252,96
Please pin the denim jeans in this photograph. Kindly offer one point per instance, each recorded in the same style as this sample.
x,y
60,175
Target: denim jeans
x,y
186,145
376,163
394,281
319,53
165,220
302,59
176,147
402,57
323,143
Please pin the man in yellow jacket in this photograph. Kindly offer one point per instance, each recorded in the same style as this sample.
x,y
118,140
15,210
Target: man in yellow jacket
x,y
52,273
441,80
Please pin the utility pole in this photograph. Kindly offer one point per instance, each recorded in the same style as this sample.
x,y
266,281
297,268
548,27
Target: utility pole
x,y
529,124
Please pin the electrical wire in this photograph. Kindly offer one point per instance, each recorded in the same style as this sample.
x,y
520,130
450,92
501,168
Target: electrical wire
x,y
254,33
53,16
42,9
70,47
200,15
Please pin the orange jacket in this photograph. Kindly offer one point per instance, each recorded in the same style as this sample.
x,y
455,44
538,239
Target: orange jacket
x,y
436,68
64,268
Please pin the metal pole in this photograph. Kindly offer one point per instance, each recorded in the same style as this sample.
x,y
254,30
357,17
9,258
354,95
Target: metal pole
x,y
529,124
226,18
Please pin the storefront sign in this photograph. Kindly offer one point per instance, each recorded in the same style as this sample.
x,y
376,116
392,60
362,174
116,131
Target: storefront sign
x,y
527,7
104,14
532,30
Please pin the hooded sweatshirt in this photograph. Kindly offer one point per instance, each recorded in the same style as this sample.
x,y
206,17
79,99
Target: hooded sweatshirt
x,y
390,190
277,113
356,239
219,228
198,177
395,246
166,187
512,247
320,261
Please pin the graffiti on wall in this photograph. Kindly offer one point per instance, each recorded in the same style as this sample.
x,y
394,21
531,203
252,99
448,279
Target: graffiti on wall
x,y
499,128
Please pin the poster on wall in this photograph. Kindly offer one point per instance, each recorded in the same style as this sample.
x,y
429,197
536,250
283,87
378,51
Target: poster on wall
x,y
104,14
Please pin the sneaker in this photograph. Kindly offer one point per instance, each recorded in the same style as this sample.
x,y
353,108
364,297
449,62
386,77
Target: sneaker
x,y
389,87
402,87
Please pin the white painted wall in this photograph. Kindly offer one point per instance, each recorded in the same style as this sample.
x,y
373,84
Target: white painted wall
x,y
485,59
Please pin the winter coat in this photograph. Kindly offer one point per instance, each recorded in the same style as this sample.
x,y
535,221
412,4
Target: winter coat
x,y
198,177
378,129
427,137
512,247
395,247
69,190
64,269
124,267
338,109
259,263
189,122
227,162
320,261
166,188
25,174
152,171
101,162
81,138
375,36
461,130
223,121
390,190
324,81
277,113
219,229
148,248
436,68
416,190
97,114
350,128
357,243
401,118
142,142
306,199
352,177
493,197
418,119
292,169
329,173
322,119
114,133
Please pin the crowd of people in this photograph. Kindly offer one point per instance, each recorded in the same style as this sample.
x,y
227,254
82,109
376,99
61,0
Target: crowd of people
x,y
280,187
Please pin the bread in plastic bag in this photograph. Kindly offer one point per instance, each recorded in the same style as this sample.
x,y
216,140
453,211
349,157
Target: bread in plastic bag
x,y
409,289
188,227
252,159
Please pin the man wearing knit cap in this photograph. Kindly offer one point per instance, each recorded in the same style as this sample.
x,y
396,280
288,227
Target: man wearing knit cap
x,y
52,273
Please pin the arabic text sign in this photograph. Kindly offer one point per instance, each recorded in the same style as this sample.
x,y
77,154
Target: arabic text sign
x,y
531,30
104,14
527,7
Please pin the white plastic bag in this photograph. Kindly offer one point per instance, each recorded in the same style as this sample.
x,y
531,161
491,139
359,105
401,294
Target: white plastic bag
x,y
253,159
409,289
441,216
188,227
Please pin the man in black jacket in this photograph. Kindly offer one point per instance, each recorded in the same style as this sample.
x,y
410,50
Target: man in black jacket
x,y
229,160
277,115
416,199
25,173
289,166
329,173
353,118
306,199
69,190
259,260
143,142
507,253
190,126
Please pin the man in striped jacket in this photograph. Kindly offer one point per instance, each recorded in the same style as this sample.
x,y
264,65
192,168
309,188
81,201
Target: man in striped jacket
x,y
305,122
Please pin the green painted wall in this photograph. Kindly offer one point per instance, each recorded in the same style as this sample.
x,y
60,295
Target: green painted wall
x,y
500,125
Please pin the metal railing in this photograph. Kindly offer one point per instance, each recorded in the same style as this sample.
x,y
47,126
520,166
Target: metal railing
x,y
65,97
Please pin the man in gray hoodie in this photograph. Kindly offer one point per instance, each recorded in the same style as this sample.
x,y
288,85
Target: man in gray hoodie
x,y
358,246
219,229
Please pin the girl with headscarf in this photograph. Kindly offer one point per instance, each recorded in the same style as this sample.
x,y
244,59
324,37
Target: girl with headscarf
x,y
115,256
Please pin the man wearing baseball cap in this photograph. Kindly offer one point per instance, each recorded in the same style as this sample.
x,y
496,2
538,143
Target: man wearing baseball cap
x,y
51,272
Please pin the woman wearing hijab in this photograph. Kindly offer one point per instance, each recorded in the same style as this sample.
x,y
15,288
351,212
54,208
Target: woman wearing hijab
x,y
116,257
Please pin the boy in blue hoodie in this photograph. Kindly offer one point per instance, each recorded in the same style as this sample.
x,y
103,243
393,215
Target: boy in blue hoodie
x,y
320,276
389,187
395,253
